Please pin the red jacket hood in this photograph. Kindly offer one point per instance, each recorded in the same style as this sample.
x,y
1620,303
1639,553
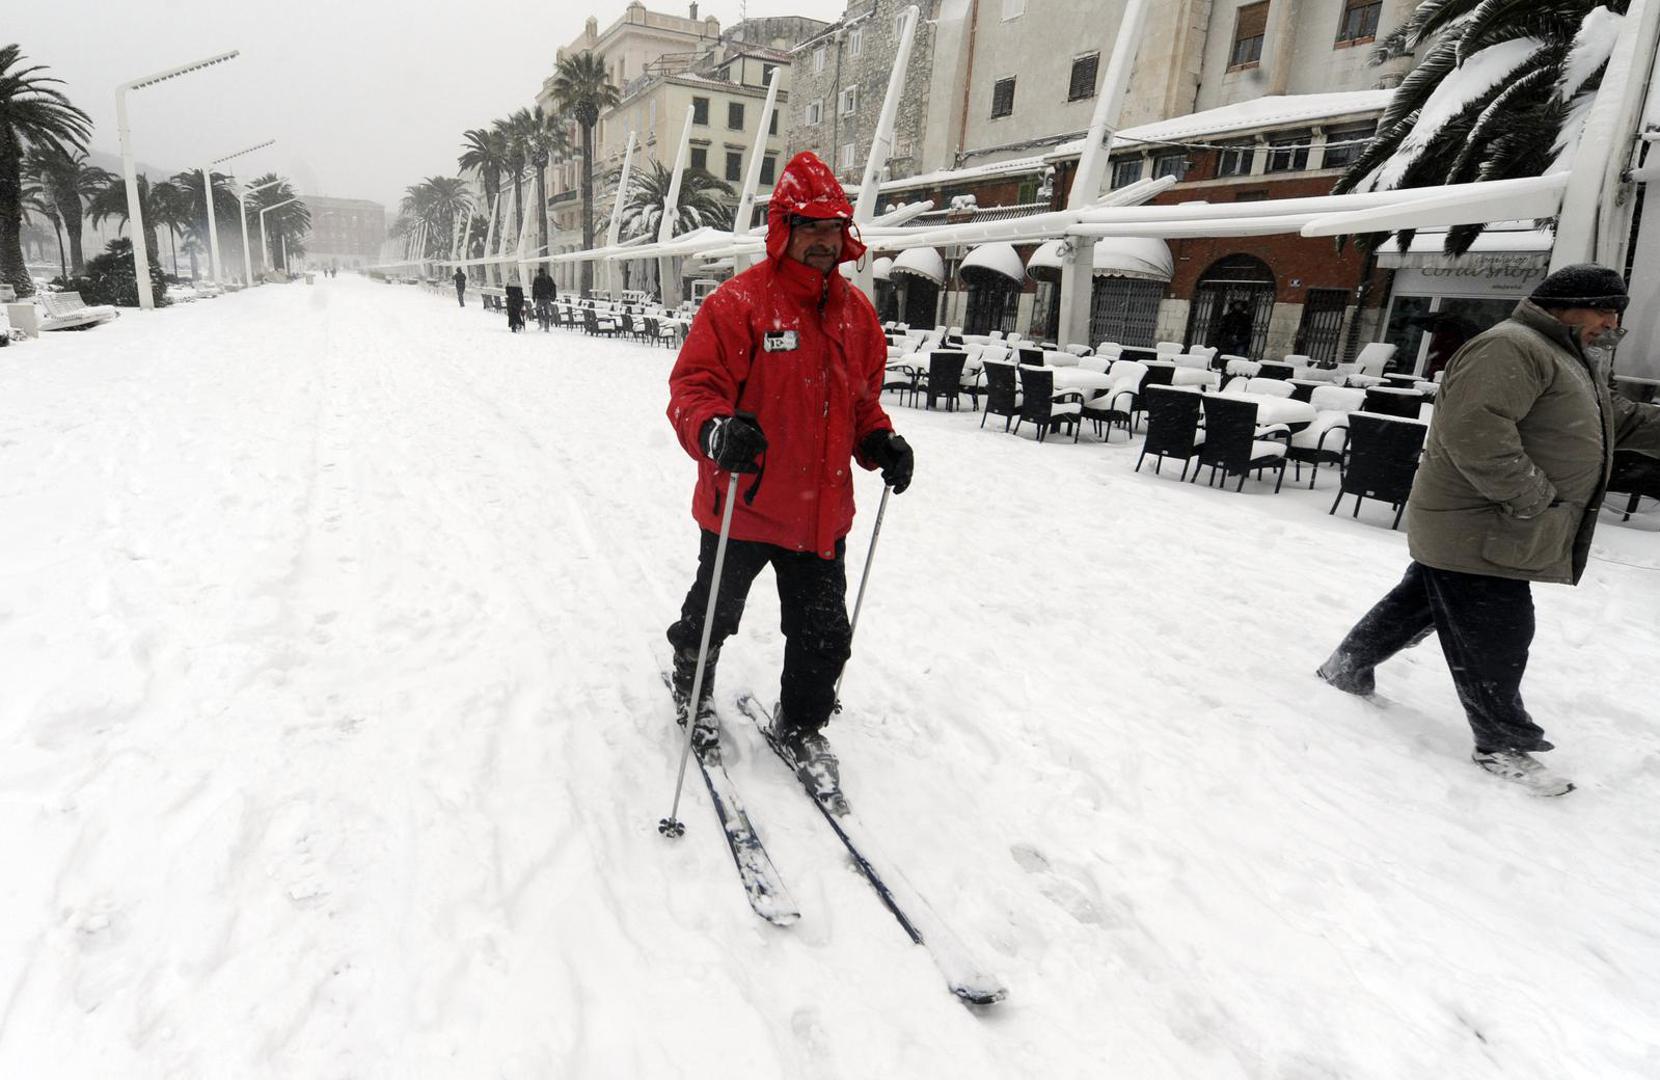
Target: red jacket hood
x,y
810,189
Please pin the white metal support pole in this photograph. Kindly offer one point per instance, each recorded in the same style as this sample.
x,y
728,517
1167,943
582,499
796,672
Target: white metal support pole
x,y
526,231
213,226
613,268
881,144
752,179
490,235
1077,270
666,271
264,254
1594,202
135,211
247,257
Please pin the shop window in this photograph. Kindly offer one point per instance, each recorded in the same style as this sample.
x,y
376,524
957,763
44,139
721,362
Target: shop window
x,y
1002,97
735,115
734,165
1288,152
700,110
1250,24
1082,84
1359,24
1126,171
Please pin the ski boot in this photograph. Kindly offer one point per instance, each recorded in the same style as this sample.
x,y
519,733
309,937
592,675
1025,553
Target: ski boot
x,y
706,731
808,752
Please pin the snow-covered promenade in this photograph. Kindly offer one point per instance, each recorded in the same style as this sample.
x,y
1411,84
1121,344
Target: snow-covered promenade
x,y
332,743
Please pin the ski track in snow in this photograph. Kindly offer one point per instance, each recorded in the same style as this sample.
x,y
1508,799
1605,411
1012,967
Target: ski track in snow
x,y
332,742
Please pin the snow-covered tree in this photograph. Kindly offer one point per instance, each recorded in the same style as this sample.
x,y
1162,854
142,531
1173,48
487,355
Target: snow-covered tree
x,y
1501,90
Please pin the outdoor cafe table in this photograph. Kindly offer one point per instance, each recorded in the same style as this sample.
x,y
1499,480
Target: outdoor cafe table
x,y
1275,410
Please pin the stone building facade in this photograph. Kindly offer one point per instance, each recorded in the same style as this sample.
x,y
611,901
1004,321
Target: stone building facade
x,y
345,233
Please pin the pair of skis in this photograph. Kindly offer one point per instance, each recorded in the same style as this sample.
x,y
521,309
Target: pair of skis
x,y
771,900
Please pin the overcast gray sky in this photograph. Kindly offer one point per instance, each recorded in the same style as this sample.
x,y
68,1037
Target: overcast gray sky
x,y
364,97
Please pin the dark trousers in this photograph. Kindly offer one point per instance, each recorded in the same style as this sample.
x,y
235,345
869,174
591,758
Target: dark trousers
x,y
812,593
461,295
1485,625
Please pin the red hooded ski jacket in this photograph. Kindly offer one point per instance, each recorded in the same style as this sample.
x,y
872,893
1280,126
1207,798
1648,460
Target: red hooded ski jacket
x,y
805,353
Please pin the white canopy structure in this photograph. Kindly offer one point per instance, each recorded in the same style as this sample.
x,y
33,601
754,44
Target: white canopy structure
x,y
923,262
995,258
881,268
1134,257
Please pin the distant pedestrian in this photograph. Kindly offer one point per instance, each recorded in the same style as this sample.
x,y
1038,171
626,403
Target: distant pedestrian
x,y
542,293
1234,331
515,308
1514,469
461,286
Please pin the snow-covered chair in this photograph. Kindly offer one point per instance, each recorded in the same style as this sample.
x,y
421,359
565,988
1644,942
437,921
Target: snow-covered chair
x,y
1249,369
67,311
1078,350
1169,349
1299,360
1323,441
1120,401
1094,363
1060,358
1112,350
1272,387
1045,408
1197,360
1374,358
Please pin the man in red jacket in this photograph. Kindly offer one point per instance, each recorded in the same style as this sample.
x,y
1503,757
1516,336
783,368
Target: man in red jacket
x,y
781,376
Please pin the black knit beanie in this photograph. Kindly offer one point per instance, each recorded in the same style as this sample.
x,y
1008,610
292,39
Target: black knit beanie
x,y
1583,285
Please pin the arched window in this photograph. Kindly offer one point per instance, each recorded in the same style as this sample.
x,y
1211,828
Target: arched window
x,y
1231,306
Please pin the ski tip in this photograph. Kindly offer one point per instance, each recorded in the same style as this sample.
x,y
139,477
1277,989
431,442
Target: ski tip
x,y
980,995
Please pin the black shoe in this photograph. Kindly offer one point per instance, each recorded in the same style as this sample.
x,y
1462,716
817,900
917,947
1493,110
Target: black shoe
x,y
1339,671
809,754
707,732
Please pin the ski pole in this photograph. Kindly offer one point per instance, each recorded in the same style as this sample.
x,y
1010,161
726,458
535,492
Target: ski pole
x,y
864,579
672,826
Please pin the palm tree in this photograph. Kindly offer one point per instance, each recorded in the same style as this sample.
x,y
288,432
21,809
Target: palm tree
x,y
110,201
513,160
36,203
172,208
582,87
69,181
291,222
1500,92
226,209
542,137
32,112
485,150
704,200
437,202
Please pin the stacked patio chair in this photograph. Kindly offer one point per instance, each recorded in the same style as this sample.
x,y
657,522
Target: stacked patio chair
x,y
1382,460
1118,403
1172,426
1234,446
1042,406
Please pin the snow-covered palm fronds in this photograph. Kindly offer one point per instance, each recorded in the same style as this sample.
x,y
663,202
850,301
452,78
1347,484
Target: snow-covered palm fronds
x,y
1501,90
704,200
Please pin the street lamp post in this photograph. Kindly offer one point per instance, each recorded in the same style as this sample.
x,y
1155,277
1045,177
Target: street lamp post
x,y
213,225
135,212
247,257
265,244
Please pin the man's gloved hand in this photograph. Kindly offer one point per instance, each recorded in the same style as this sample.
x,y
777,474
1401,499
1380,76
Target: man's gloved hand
x,y
892,454
733,443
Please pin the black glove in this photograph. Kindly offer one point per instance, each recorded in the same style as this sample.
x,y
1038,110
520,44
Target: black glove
x,y
734,442
892,454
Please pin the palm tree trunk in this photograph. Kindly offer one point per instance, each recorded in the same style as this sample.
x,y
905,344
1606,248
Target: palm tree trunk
x,y
12,270
518,203
542,208
173,244
587,205
77,257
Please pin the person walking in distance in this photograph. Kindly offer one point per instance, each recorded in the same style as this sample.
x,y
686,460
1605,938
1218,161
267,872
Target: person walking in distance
x,y
542,293
1513,472
781,377
461,286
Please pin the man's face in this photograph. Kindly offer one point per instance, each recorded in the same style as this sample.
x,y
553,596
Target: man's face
x,y
817,243
1591,323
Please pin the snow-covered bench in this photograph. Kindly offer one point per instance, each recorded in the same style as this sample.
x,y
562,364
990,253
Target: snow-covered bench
x,y
67,311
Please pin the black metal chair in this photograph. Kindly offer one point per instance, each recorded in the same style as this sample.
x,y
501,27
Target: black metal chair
x,y
1382,460
1272,369
1045,408
1232,446
1028,355
1002,393
1635,475
1393,403
944,377
1172,426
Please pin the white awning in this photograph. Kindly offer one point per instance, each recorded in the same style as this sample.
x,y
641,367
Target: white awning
x,y
996,258
1045,263
881,267
1142,257
924,262
1504,245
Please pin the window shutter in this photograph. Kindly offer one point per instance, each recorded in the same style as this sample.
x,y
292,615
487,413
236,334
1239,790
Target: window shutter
x,y
1252,21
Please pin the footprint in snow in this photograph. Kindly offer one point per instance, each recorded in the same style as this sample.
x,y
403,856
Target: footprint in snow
x,y
1068,888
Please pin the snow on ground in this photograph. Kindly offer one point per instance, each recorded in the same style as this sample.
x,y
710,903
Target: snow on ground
x,y
332,743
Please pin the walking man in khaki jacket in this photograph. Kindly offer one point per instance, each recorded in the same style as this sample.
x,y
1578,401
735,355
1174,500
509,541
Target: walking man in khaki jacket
x,y
1514,469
